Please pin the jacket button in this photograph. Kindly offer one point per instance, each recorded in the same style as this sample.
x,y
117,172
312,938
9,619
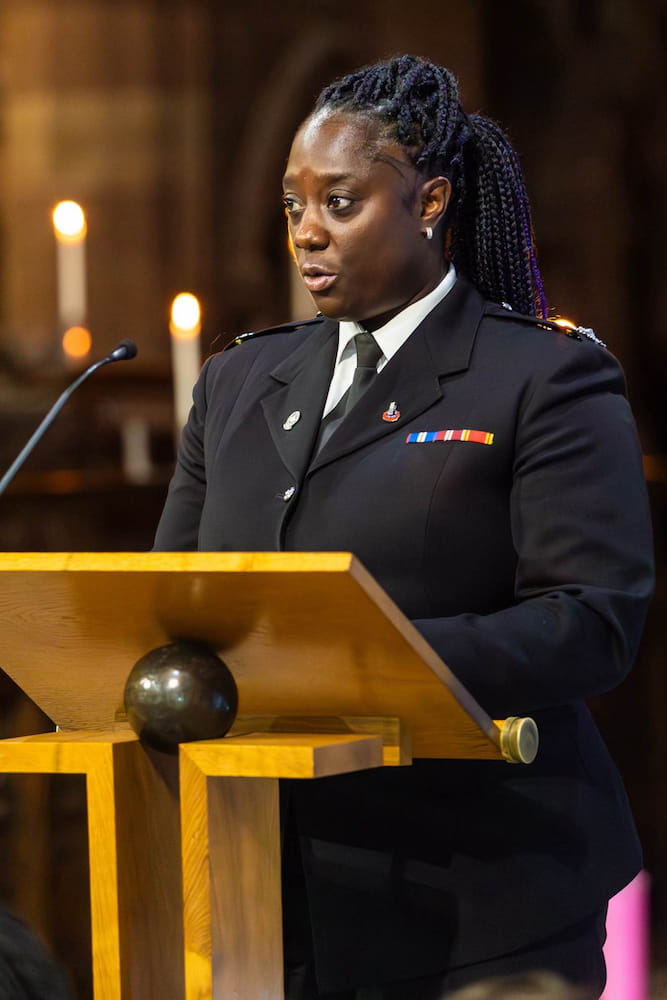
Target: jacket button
x,y
289,493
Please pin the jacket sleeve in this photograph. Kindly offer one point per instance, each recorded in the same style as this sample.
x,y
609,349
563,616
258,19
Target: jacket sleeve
x,y
581,531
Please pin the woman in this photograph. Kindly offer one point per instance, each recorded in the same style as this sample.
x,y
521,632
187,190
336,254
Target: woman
x,y
520,549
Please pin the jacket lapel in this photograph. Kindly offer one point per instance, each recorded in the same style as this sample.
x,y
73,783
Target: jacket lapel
x,y
302,382
440,346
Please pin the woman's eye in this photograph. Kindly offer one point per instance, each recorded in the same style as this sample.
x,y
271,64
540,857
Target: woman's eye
x,y
338,202
290,205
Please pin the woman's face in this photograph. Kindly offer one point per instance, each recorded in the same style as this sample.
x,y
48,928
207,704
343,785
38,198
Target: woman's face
x,y
356,211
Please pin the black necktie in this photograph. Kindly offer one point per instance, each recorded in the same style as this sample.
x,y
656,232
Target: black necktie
x,y
368,355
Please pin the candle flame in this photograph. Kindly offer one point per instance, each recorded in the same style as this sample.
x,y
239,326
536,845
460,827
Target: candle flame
x,y
185,317
69,222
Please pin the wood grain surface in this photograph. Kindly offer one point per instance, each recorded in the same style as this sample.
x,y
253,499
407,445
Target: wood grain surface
x,y
303,634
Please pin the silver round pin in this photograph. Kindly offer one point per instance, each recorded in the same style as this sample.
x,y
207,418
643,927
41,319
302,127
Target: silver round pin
x,y
293,419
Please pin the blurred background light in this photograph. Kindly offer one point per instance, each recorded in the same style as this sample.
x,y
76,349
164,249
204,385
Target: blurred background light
x,y
69,221
185,316
77,342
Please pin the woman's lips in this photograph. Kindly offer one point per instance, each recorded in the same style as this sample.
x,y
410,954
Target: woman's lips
x,y
318,282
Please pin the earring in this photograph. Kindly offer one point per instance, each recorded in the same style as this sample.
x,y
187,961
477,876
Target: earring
x,y
428,233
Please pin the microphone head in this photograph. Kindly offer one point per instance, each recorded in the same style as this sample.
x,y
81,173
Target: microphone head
x,y
126,350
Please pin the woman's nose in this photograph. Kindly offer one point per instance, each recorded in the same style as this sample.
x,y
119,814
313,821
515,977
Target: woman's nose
x,y
309,233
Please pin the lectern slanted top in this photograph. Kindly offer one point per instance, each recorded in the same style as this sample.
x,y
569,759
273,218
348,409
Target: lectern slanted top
x,y
305,634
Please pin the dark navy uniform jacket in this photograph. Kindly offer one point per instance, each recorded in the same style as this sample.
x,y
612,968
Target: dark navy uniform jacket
x,y
525,562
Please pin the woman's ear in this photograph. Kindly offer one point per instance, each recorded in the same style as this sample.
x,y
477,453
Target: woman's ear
x,y
435,195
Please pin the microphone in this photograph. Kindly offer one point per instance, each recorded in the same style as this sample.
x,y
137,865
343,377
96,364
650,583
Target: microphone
x,y
125,351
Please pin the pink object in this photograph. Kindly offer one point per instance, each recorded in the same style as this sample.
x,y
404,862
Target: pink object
x,y
626,950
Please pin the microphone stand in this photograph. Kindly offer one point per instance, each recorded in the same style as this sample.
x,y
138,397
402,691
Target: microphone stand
x,y
126,350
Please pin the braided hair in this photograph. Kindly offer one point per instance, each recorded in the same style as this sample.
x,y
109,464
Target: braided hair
x,y
416,103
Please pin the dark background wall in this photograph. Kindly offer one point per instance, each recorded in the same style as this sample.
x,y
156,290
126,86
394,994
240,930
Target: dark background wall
x,y
170,121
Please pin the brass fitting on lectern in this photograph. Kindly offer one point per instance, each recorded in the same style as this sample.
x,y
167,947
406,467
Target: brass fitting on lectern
x,y
519,739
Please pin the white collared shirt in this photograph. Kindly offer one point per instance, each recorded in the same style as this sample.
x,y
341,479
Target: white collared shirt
x,y
389,337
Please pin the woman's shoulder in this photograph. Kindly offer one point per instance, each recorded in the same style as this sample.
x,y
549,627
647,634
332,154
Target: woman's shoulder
x,y
272,344
271,331
558,326
540,343
553,354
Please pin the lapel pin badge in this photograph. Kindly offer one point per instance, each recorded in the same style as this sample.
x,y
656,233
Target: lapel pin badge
x,y
293,419
392,413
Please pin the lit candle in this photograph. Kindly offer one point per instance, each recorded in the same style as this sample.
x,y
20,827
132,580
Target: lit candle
x,y
184,326
69,226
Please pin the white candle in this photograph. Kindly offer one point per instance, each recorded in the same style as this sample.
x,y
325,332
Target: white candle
x,y
136,449
184,326
69,225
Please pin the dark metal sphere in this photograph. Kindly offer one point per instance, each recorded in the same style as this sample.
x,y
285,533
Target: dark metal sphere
x,y
178,693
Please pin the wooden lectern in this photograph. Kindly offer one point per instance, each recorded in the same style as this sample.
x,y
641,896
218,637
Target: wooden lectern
x,y
332,678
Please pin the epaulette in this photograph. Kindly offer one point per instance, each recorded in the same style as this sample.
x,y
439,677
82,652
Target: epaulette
x,y
283,328
567,327
558,325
